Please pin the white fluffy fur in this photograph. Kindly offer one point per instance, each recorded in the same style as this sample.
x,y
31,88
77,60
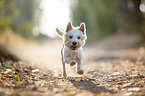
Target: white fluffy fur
x,y
72,54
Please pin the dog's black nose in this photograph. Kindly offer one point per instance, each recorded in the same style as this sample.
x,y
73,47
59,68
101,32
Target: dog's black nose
x,y
74,43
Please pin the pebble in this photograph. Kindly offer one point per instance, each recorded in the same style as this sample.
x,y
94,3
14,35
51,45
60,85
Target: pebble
x,y
141,76
127,85
33,75
81,80
97,73
116,73
72,79
35,71
119,83
34,88
128,77
44,77
119,76
128,94
86,77
135,89
45,74
59,78
8,71
112,79
134,76
27,70
92,79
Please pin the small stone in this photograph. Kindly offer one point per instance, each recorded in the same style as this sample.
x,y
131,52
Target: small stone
x,y
119,83
97,83
35,71
86,77
27,70
34,88
138,84
132,69
97,73
88,72
32,75
8,71
127,85
116,73
81,80
119,77
63,80
141,76
80,72
111,78
91,79
43,77
128,94
128,77
136,89
72,79
52,81
134,76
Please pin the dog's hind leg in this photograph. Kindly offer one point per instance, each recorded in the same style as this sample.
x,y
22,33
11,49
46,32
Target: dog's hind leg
x,y
63,63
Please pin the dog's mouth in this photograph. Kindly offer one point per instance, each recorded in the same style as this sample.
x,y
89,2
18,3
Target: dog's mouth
x,y
73,47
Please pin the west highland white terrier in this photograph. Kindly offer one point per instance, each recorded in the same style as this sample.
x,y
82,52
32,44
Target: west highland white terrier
x,y
72,52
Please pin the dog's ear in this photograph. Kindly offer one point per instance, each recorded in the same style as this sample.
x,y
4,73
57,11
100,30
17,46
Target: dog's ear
x,y
59,32
69,26
83,27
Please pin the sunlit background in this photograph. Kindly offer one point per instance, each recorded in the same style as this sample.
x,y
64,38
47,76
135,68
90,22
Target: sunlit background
x,y
55,13
39,18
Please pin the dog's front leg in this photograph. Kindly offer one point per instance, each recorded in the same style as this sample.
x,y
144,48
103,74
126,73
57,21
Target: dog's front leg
x,y
69,61
64,70
63,63
79,67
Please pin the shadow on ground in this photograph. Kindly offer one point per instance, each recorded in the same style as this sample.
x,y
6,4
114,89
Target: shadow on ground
x,y
90,86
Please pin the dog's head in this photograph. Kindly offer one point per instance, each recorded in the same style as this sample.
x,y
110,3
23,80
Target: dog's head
x,y
74,37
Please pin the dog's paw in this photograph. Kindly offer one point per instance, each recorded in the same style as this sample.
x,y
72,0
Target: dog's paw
x,y
72,63
80,72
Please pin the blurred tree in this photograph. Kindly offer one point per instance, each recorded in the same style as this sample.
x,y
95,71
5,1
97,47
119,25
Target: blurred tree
x,y
105,17
18,15
139,19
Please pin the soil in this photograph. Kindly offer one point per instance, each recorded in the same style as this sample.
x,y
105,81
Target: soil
x,y
38,72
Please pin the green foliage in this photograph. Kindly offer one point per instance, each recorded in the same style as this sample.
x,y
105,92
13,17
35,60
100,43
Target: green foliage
x,y
102,17
18,15
99,15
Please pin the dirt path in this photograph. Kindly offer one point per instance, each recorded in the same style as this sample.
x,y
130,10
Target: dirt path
x,y
117,73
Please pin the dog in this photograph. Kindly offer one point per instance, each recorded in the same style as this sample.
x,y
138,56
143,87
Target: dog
x,y
73,40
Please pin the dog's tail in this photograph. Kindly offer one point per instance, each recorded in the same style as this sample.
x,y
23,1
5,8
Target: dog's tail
x,y
59,32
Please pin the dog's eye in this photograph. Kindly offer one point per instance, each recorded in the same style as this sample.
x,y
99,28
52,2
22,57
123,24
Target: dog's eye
x,y
79,37
70,37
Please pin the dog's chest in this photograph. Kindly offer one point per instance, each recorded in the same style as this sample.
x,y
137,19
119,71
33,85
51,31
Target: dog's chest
x,y
73,55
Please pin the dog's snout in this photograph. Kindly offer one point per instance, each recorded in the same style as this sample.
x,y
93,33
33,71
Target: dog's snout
x,y
74,43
